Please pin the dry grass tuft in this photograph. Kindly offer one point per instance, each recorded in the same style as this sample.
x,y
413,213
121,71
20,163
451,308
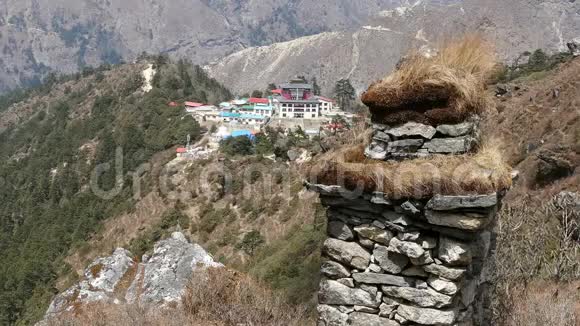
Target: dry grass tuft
x,y
216,297
544,304
484,172
236,299
447,87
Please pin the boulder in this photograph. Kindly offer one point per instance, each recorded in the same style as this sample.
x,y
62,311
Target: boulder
x,y
447,203
335,293
374,233
348,253
457,130
409,249
339,230
459,220
389,261
411,129
425,316
166,274
384,279
456,145
422,297
449,273
442,285
364,319
453,252
330,316
334,270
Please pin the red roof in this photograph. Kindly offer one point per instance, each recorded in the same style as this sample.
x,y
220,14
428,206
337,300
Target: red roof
x,y
255,100
173,104
326,99
181,150
193,104
276,91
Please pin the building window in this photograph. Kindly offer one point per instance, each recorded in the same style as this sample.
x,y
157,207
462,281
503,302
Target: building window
x,y
283,115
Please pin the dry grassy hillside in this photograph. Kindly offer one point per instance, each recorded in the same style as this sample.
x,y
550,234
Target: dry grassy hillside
x,y
537,125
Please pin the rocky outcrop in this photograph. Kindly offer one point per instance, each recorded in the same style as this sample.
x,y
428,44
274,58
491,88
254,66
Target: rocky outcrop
x,y
120,278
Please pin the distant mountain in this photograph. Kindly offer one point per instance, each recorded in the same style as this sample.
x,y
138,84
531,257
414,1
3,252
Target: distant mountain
x,y
370,52
37,36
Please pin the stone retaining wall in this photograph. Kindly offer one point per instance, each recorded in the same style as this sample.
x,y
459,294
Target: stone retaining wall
x,y
404,262
415,140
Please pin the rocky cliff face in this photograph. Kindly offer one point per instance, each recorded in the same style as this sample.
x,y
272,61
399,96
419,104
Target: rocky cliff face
x,y
372,51
120,278
37,36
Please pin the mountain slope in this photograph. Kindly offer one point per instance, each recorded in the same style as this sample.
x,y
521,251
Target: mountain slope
x,y
37,36
372,51
58,167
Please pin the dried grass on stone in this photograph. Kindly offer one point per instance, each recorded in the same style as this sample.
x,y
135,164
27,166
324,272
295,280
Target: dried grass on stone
x,y
483,172
447,88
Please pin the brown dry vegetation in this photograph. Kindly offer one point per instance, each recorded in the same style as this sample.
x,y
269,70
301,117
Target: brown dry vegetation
x,y
216,297
447,87
483,172
538,252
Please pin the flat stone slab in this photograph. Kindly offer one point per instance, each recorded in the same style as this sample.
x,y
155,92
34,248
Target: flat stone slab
x,y
426,298
409,249
374,233
457,130
389,261
449,273
348,253
384,279
412,129
463,221
335,293
447,203
334,270
405,146
340,230
364,319
456,145
426,316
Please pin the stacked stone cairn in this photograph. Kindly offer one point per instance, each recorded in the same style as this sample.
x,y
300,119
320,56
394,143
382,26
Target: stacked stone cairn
x,y
417,140
404,262
420,260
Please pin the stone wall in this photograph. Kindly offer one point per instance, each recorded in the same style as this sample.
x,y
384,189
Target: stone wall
x,y
416,140
404,262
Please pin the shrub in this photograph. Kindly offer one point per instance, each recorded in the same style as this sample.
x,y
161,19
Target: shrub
x,y
252,240
237,146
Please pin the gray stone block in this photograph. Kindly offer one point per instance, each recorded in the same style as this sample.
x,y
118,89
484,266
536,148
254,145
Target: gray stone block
x,y
411,129
384,279
425,316
428,298
447,203
457,130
